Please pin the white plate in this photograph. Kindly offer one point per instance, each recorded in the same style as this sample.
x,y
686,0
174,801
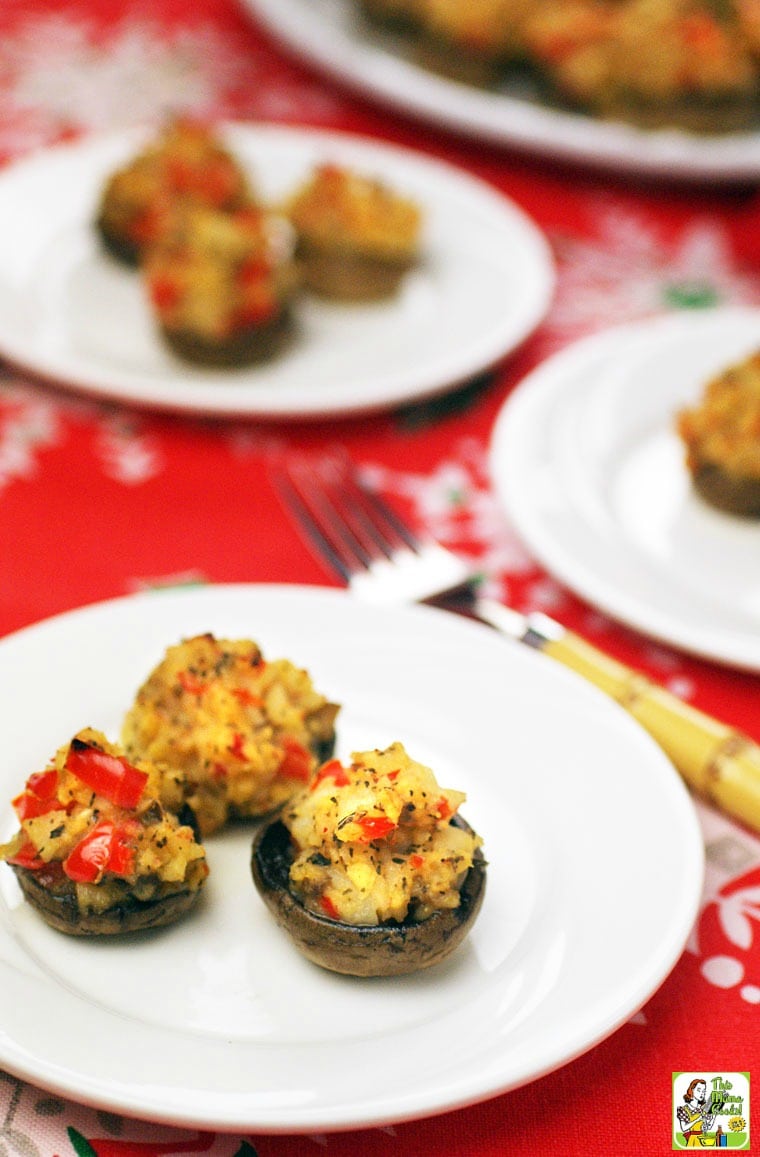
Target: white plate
x,y
591,472
70,313
594,879
330,34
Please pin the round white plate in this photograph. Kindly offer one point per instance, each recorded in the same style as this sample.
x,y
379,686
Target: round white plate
x,y
70,313
594,879
591,472
330,34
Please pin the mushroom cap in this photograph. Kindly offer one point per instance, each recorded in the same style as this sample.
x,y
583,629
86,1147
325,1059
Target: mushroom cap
x,y
389,949
58,906
730,493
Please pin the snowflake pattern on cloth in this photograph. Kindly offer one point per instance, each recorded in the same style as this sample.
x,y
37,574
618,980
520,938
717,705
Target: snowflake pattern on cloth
x,y
58,75
726,938
128,454
28,425
628,270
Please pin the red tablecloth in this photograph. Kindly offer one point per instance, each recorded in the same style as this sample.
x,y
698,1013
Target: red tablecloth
x,y
99,500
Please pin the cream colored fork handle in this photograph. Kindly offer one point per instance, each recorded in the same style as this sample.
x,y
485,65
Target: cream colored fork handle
x,y
716,761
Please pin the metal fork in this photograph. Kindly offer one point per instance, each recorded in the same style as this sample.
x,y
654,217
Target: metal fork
x,y
363,539
365,542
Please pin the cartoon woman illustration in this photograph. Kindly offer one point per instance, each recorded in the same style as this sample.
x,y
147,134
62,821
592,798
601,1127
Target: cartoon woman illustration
x,y
695,1117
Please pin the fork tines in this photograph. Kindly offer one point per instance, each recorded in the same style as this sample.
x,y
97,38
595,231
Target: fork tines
x,y
360,536
344,518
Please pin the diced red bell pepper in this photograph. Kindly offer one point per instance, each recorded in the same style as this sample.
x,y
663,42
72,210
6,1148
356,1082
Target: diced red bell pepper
x,y
249,217
218,182
146,226
39,796
444,809
375,827
180,175
237,747
701,33
297,761
165,294
43,783
416,861
328,907
111,776
259,307
190,682
26,856
246,697
105,848
333,770
254,271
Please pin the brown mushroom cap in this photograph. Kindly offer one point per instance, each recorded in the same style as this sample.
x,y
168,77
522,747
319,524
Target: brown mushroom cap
x,y
116,244
57,904
342,275
728,492
246,347
389,949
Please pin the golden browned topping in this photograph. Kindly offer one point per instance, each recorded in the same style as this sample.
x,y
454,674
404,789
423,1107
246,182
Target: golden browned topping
x,y
723,429
647,51
492,27
242,730
340,209
187,163
374,841
100,821
640,59
216,273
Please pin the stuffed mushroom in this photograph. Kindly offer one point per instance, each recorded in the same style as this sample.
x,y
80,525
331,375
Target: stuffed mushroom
x,y
370,869
721,436
221,285
356,237
651,62
97,851
186,163
244,731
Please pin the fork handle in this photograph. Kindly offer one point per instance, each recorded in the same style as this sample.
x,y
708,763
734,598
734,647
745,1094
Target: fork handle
x,y
718,762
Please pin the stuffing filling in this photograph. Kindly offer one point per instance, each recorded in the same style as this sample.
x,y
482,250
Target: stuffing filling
x,y
244,732
621,57
185,163
649,50
101,824
340,209
492,28
723,429
374,843
214,274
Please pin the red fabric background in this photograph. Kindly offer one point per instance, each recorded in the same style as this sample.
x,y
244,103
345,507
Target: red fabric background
x,y
74,533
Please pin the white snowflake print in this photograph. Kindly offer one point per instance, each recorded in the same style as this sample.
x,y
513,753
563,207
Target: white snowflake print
x,y
127,455
726,938
628,271
57,76
28,426
738,915
457,506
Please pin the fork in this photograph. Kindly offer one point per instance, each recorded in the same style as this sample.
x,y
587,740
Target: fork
x,y
355,531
